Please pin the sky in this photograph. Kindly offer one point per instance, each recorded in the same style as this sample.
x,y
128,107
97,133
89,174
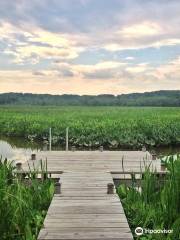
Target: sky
x,y
89,46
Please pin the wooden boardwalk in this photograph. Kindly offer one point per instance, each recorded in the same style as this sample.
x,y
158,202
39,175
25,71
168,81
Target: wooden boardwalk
x,y
84,210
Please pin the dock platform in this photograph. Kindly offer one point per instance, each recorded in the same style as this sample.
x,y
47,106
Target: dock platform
x,y
84,210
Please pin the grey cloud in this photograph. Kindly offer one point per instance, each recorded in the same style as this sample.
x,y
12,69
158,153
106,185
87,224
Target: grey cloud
x,y
103,74
38,73
63,70
66,73
97,20
87,16
99,74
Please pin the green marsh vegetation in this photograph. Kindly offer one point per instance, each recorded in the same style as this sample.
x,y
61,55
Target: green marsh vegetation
x,y
22,206
157,204
112,127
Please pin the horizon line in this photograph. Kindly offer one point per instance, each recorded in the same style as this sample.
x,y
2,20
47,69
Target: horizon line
x,y
102,94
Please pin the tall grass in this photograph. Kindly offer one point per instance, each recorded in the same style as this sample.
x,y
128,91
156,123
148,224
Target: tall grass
x,y
157,204
22,206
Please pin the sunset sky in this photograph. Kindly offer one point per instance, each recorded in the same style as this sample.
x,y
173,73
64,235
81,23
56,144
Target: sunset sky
x,y
89,46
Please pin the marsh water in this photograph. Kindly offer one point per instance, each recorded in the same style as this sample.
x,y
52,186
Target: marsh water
x,y
19,149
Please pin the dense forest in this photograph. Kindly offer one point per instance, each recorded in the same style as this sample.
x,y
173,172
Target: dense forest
x,y
157,98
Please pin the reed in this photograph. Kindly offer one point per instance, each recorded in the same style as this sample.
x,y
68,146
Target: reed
x,y
22,206
156,205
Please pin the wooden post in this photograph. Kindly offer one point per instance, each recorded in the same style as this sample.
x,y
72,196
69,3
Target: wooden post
x,y
33,156
67,140
73,148
163,167
57,188
19,166
50,139
101,148
110,188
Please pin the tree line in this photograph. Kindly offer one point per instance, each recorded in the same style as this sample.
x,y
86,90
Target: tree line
x,y
156,98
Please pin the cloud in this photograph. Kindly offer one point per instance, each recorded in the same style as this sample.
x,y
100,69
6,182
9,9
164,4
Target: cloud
x,y
35,44
38,73
143,35
129,58
140,30
87,46
97,24
105,78
52,35
139,68
168,72
99,74
101,70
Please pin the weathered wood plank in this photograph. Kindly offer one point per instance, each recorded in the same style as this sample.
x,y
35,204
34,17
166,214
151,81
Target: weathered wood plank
x,y
71,216
84,210
45,235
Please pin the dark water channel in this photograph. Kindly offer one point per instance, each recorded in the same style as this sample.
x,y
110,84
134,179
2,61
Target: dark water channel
x,y
19,149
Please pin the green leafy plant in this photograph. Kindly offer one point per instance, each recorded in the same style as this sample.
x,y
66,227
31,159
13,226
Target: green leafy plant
x,y
22,206
156,204
112,127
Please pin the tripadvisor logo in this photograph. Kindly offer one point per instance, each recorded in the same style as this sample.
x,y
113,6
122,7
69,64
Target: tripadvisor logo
x,y
140,231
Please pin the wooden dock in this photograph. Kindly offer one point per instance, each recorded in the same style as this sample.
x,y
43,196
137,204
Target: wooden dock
x,y
84,210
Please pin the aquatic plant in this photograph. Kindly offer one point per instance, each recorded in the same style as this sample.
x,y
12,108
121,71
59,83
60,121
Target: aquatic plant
x,y
111,127
22,206
156,204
